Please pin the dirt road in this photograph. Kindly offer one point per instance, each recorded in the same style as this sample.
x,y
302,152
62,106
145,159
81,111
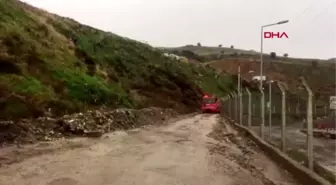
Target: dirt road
x,y
195,150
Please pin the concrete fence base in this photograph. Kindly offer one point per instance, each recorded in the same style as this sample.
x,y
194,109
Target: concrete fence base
x,y
299,172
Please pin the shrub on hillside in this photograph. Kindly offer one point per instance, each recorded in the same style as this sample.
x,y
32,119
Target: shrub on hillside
x,y
91,90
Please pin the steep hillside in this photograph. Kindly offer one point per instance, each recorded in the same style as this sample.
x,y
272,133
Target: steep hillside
x,y
54,63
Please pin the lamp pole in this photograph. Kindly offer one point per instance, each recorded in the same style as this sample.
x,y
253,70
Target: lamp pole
x,y
262,99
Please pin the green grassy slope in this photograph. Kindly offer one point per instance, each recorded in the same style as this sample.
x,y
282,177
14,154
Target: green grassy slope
x,y
50,62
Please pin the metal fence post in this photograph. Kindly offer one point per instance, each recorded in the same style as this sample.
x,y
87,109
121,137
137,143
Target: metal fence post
x,y
270,111
249,119
236,106
239,97
241,108
283,117
309,124
229,105
262,104
233,106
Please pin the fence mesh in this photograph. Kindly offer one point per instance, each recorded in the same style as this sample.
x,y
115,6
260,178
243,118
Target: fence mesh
x,y
295,111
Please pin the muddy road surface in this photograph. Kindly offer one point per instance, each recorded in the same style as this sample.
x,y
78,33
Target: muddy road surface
x,y
195,150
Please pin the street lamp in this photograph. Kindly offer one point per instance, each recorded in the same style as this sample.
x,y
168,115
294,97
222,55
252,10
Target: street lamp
x,y
262,99
261,45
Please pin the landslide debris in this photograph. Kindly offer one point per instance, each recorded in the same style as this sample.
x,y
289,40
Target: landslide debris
x,y
88,124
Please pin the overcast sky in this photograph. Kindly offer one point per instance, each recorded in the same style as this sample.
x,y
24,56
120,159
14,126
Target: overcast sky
x,y
311,28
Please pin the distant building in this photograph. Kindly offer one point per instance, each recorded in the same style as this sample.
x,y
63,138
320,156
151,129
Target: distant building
x,y
258,78
173,56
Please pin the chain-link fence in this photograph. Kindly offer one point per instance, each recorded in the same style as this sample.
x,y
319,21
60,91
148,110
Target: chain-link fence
x,y
291,119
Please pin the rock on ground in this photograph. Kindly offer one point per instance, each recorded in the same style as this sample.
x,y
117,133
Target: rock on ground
x,y
91,124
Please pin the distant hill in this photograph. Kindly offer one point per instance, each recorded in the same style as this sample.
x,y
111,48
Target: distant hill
x,y
209,50
210,53
206,53
319,73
